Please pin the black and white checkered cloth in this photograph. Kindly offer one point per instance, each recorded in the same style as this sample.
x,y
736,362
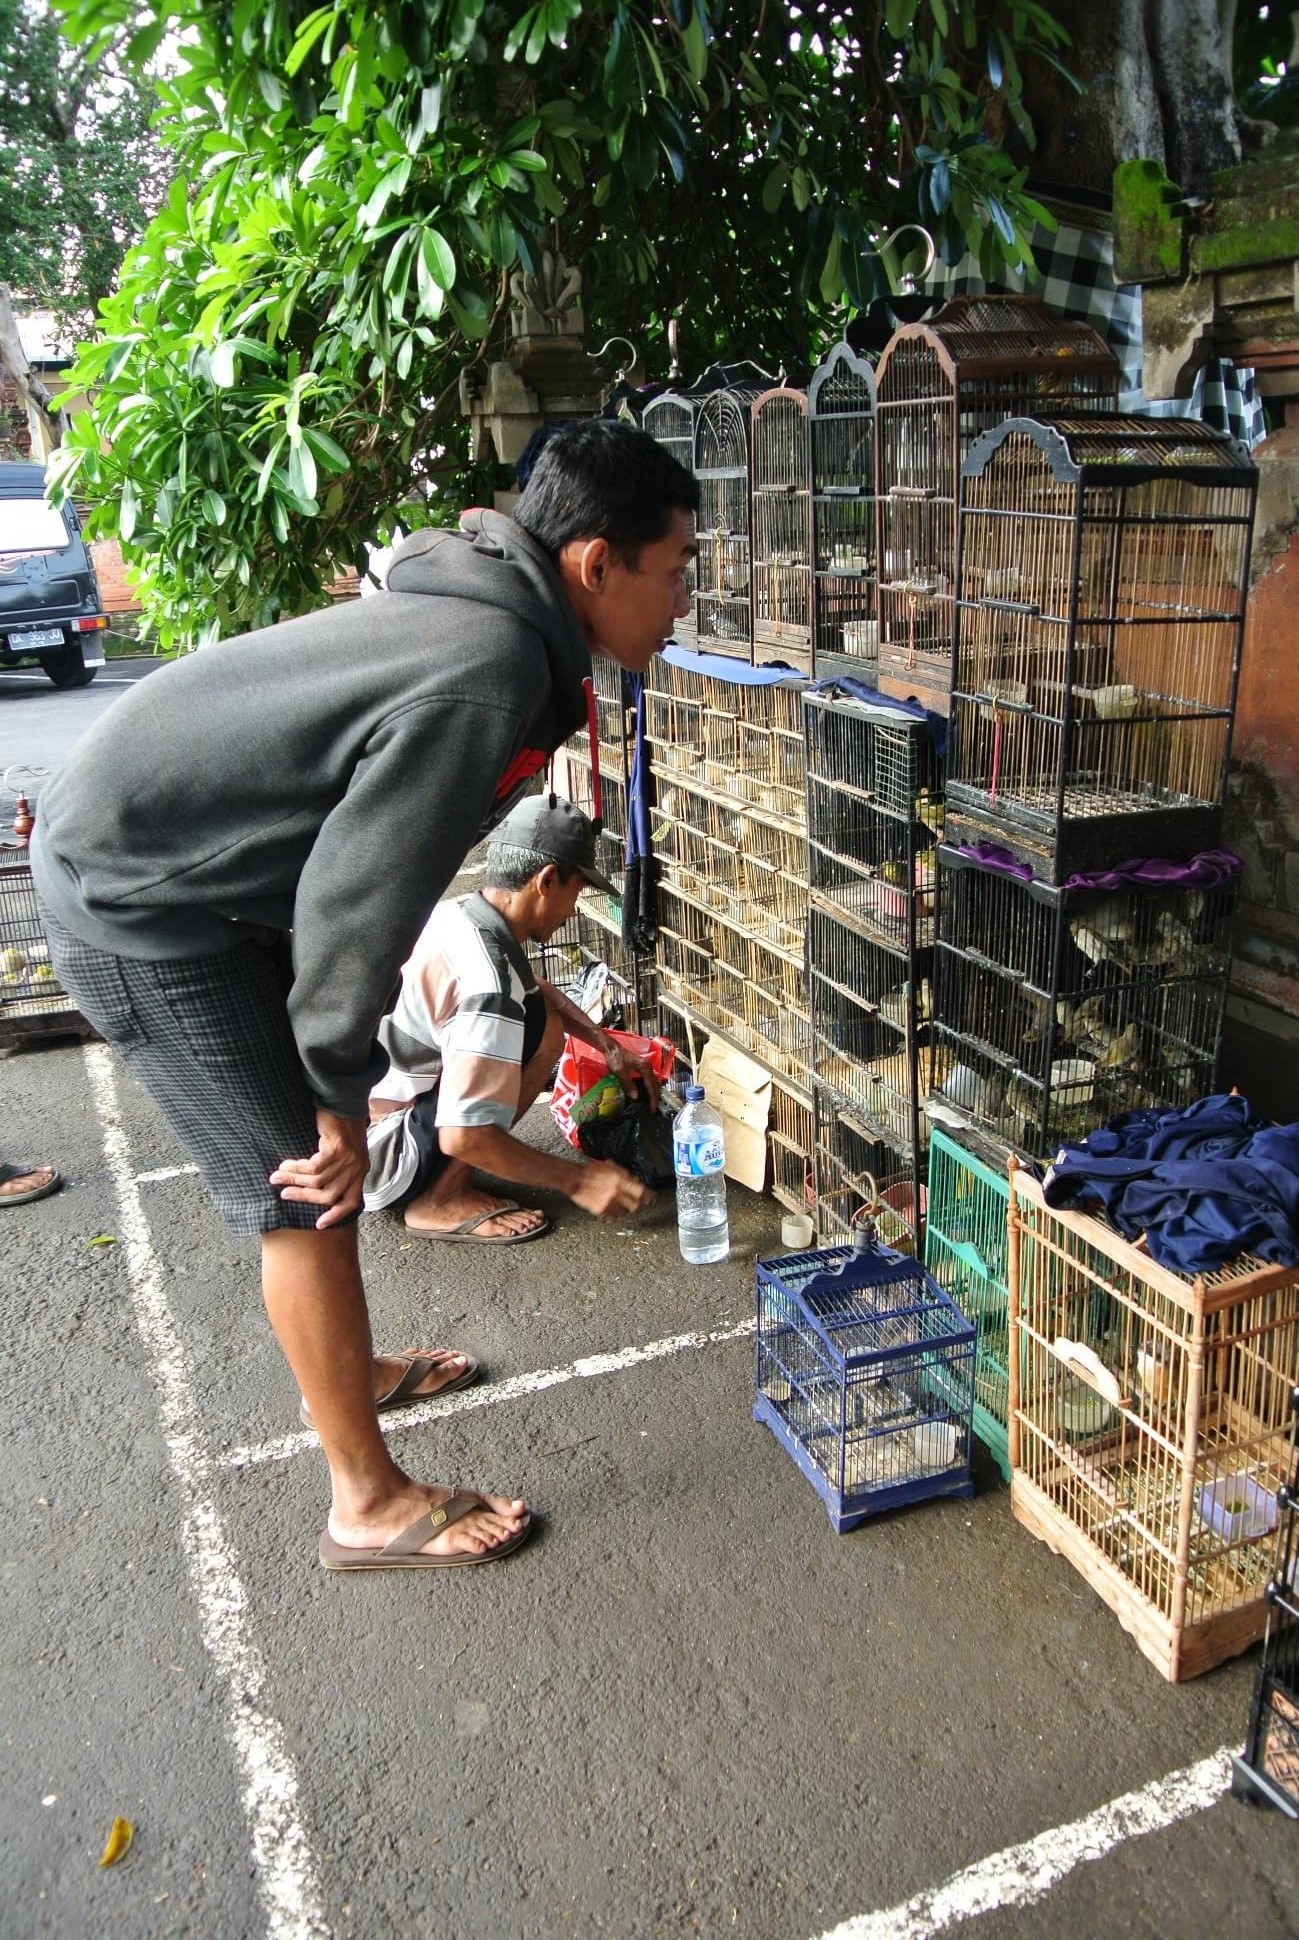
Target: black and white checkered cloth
x,y
1076,278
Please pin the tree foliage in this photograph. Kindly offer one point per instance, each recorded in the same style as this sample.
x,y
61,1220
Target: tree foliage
x,y
79,168
276,376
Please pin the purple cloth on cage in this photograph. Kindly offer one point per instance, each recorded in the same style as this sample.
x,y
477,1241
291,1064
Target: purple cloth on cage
x,y
1208,870
1203,1184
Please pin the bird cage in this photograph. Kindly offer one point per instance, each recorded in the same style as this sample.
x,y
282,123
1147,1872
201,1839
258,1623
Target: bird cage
x,y
1062,1008
965,1251
865,1377
858,1175
790,1142
939,385
1268,1769
1149,1426
841,423
1104,572
670,421
33,1003
723,599
781,510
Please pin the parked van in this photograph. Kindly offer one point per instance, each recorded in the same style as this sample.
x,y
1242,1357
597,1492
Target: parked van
x,y
50,613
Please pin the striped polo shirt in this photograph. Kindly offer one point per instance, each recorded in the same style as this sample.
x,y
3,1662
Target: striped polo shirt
x,y
460,1023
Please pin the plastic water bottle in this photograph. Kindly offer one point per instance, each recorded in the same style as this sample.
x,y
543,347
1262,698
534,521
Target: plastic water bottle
x,y
698,1157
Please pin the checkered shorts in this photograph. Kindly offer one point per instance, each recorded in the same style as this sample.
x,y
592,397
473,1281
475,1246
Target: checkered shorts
x,y
209,1039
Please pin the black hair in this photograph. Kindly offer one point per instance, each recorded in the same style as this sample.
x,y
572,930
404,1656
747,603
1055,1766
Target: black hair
x,y
600,478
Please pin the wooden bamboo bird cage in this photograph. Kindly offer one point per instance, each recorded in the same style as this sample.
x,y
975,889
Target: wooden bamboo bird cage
x,y
1149,1417
939,385
670,421
841,423
724,596
1103,577
782,530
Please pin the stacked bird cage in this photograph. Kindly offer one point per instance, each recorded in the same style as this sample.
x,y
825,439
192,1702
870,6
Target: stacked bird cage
x,y
841,424
723,569
670,421
782,530
1104,571
1268,1770
857,1175
33,1003
730,835
865,1375
940,384
965,1251
1149,1419
874,818
1057,1009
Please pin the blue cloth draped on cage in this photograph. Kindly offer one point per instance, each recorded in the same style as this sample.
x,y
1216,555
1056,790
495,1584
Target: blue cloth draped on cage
x,y
1204,1184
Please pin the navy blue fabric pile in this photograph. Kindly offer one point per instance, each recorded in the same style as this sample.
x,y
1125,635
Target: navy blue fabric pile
x,y
1203,1184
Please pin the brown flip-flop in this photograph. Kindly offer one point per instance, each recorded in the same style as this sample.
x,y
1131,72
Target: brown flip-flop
x,y
403,1395
405,1552
467,1230
52,1184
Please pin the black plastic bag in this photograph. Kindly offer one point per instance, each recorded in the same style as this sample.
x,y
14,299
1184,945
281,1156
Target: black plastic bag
x,y
636,1137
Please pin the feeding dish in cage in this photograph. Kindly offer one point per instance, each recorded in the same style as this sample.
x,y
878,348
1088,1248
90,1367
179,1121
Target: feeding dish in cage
x,y
1236,1507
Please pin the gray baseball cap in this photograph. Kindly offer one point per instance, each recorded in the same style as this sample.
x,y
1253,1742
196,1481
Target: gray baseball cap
x,y
553,827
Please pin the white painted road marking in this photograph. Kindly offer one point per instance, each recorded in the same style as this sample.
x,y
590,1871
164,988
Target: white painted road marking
x,y
283,1863
164,1172
1022,1874
517,1388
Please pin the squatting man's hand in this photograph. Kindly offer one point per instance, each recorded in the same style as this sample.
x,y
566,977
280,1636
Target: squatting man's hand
x,y
606,1190
630,1069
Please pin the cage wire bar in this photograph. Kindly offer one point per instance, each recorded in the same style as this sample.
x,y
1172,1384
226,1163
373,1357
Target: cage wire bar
x,y
874,819
723,568
1104,570
966,1252
1149,1426
670,421
33,1003
1267,1772
938,386
1057,1009
841,431
781,511
864,1374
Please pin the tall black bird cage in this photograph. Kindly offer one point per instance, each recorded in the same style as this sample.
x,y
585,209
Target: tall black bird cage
x,y
939,385
670,421
874,819
782,530
1104,570
723,601
841,422
1057,1009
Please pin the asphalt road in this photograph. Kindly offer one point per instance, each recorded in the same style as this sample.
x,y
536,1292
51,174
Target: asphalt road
x,y
687,1707
39,725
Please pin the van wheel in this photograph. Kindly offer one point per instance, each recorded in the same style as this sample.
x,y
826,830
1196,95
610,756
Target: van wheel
x,y
68,669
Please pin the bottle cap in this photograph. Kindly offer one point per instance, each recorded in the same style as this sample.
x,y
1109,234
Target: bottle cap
x,y
693,1094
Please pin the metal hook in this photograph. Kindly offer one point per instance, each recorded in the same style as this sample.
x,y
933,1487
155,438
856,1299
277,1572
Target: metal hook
x,y
675,372
623,368
907,284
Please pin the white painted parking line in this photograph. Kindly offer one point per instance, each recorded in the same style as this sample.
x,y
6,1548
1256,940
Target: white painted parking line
x,y
282,1859
517,1388
1022,1874
164,1172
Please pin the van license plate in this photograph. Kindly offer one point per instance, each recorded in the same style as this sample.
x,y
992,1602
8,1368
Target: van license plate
x,y
36,636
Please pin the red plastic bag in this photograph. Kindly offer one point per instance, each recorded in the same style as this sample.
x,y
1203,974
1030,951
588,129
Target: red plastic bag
x,y
581,1066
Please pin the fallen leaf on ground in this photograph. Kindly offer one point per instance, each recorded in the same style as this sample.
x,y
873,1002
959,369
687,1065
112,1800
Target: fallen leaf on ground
x,y
119,1842
102,1239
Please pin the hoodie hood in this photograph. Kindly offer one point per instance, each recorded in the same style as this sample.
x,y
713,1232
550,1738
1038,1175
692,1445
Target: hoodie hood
x,y
492,561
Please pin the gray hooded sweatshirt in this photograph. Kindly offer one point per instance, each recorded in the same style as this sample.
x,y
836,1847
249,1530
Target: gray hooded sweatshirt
x,y
327,775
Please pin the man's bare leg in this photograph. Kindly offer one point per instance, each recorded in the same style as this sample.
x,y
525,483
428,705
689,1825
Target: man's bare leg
x,y
452,1197
311,1282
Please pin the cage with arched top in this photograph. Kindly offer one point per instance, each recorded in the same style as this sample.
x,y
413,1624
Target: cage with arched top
x,y
670,421
1104,568
781,512
841,426
938,386
723,600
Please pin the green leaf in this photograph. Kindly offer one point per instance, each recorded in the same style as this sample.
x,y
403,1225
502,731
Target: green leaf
x,y
271,91
223,366
214,507
437,258
302,469
308,33
102,1239
773,188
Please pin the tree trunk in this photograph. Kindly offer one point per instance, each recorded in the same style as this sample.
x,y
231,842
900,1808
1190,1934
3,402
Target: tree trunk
x,y
1158,81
